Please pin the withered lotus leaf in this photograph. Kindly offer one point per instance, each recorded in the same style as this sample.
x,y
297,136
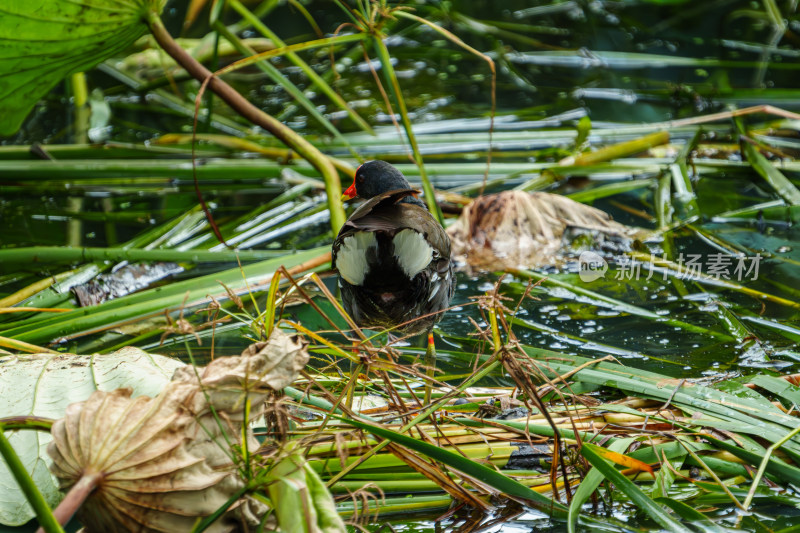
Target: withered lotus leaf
x,y
43,385
283,359
516,229
160,463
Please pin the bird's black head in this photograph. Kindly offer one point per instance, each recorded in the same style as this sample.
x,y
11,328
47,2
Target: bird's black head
x,y
377,177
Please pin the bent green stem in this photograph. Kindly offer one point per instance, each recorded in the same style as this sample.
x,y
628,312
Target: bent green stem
x,y
296,142
43,512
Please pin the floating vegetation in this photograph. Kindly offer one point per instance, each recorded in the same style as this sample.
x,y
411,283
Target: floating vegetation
x,y
515,229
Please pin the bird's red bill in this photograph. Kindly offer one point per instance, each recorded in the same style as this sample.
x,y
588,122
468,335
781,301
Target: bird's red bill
x,y
350,192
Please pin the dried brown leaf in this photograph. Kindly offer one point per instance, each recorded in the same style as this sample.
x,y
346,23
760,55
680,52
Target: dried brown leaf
x,y
284,356
163,462
515,229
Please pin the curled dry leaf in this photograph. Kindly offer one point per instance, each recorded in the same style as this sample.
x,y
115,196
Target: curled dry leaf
x,y
284,358
160,463
515,229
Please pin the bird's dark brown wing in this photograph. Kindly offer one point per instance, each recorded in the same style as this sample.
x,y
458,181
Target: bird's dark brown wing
x,y
356,223
385,199
385,213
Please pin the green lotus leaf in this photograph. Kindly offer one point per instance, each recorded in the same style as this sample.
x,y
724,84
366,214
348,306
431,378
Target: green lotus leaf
x,y
44,41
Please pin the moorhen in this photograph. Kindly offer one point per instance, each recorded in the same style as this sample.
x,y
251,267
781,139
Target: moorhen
x,y
393,257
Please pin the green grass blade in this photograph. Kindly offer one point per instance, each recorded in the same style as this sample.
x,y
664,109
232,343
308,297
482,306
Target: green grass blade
x,y
486,475
666,476
152,301
281,80
690,514
623,484
685,196
588,195
315,78
772,175
779,387
590,483
394,89
775,467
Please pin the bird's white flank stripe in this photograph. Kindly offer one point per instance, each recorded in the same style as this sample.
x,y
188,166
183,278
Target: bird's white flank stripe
x,y
351,260
413,253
